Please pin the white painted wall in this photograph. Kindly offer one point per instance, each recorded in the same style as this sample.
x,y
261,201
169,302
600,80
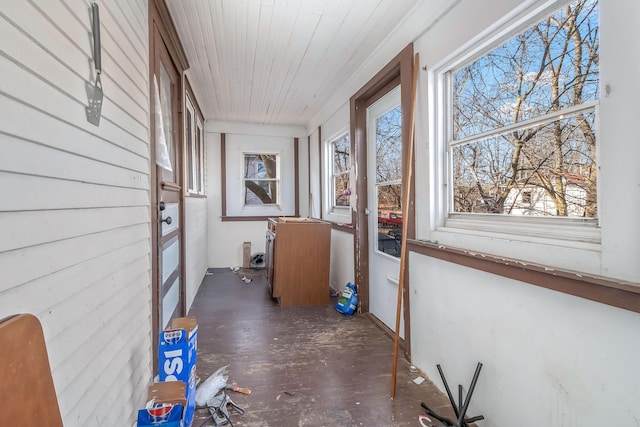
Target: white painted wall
x,y
549,358
226,238
342,269
315,174
568,360
196,245
75,209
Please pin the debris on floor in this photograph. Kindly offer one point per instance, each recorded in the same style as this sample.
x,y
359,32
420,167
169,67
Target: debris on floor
x,y
219,411
211,386
234,387
212,394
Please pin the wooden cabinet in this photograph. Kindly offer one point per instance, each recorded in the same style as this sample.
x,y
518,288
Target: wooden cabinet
x,y
297,260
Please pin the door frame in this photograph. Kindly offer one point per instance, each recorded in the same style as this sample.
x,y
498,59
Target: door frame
x,y
162,30
397,71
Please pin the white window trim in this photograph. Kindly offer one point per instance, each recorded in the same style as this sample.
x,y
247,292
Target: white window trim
x,y
202,164
198,161
544,241
340,215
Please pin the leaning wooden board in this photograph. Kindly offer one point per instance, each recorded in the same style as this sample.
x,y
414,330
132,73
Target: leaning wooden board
x,y
27,395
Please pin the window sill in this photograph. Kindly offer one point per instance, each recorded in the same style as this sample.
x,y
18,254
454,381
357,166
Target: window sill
x,y
347,228
621,294
196,196
568,232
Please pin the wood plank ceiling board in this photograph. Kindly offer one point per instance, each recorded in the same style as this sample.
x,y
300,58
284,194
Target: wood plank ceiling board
x,y
278,61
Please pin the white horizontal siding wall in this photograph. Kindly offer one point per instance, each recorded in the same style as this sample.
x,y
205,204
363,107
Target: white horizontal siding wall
x,y
75,207
197,245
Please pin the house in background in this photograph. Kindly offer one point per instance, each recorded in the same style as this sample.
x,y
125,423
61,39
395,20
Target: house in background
x,y
551,308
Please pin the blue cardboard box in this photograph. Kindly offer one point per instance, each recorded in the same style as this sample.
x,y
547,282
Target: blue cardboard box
x,y
177,349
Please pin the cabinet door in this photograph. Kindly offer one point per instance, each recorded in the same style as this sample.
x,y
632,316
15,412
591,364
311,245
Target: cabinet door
x,y
270,244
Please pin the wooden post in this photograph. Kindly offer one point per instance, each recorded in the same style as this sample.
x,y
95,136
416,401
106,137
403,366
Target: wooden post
x,y
405,217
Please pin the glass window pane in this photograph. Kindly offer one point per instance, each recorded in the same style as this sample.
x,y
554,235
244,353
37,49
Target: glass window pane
x,y
389,219
257,166
166,103
551,66
198,163
261,183
191,162
259,192
389,146
544,170
341,149
341,190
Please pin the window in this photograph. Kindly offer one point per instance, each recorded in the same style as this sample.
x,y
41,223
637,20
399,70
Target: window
x,y
261,182
259,175
340,167
520,125
337,178
194,138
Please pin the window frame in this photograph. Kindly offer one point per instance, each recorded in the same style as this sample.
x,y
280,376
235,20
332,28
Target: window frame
x,y
277,180
578,233
194,148
337,214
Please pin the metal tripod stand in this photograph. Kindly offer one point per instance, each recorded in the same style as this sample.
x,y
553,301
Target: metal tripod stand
x,y
461,410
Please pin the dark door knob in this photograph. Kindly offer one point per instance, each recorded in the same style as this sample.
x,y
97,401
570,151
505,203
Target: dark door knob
x,y
168,220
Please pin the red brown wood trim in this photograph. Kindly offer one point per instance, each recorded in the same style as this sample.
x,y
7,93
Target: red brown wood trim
x,y
320,174
170,186
401,66
386,74
170,236
343,227
392,84
358,136
160,13
384,328
619,294
223,173
166,286
194,100
155,289
296,168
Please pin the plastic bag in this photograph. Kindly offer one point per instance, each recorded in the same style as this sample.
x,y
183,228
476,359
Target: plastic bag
x,y
211,386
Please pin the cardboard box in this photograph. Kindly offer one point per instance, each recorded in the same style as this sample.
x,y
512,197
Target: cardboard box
x,y
166,416
171,398
177,349
168,392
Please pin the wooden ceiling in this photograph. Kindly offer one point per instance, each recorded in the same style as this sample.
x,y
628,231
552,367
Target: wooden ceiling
x,y
278,61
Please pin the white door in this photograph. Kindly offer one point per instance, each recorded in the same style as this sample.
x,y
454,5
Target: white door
x,y
384,170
